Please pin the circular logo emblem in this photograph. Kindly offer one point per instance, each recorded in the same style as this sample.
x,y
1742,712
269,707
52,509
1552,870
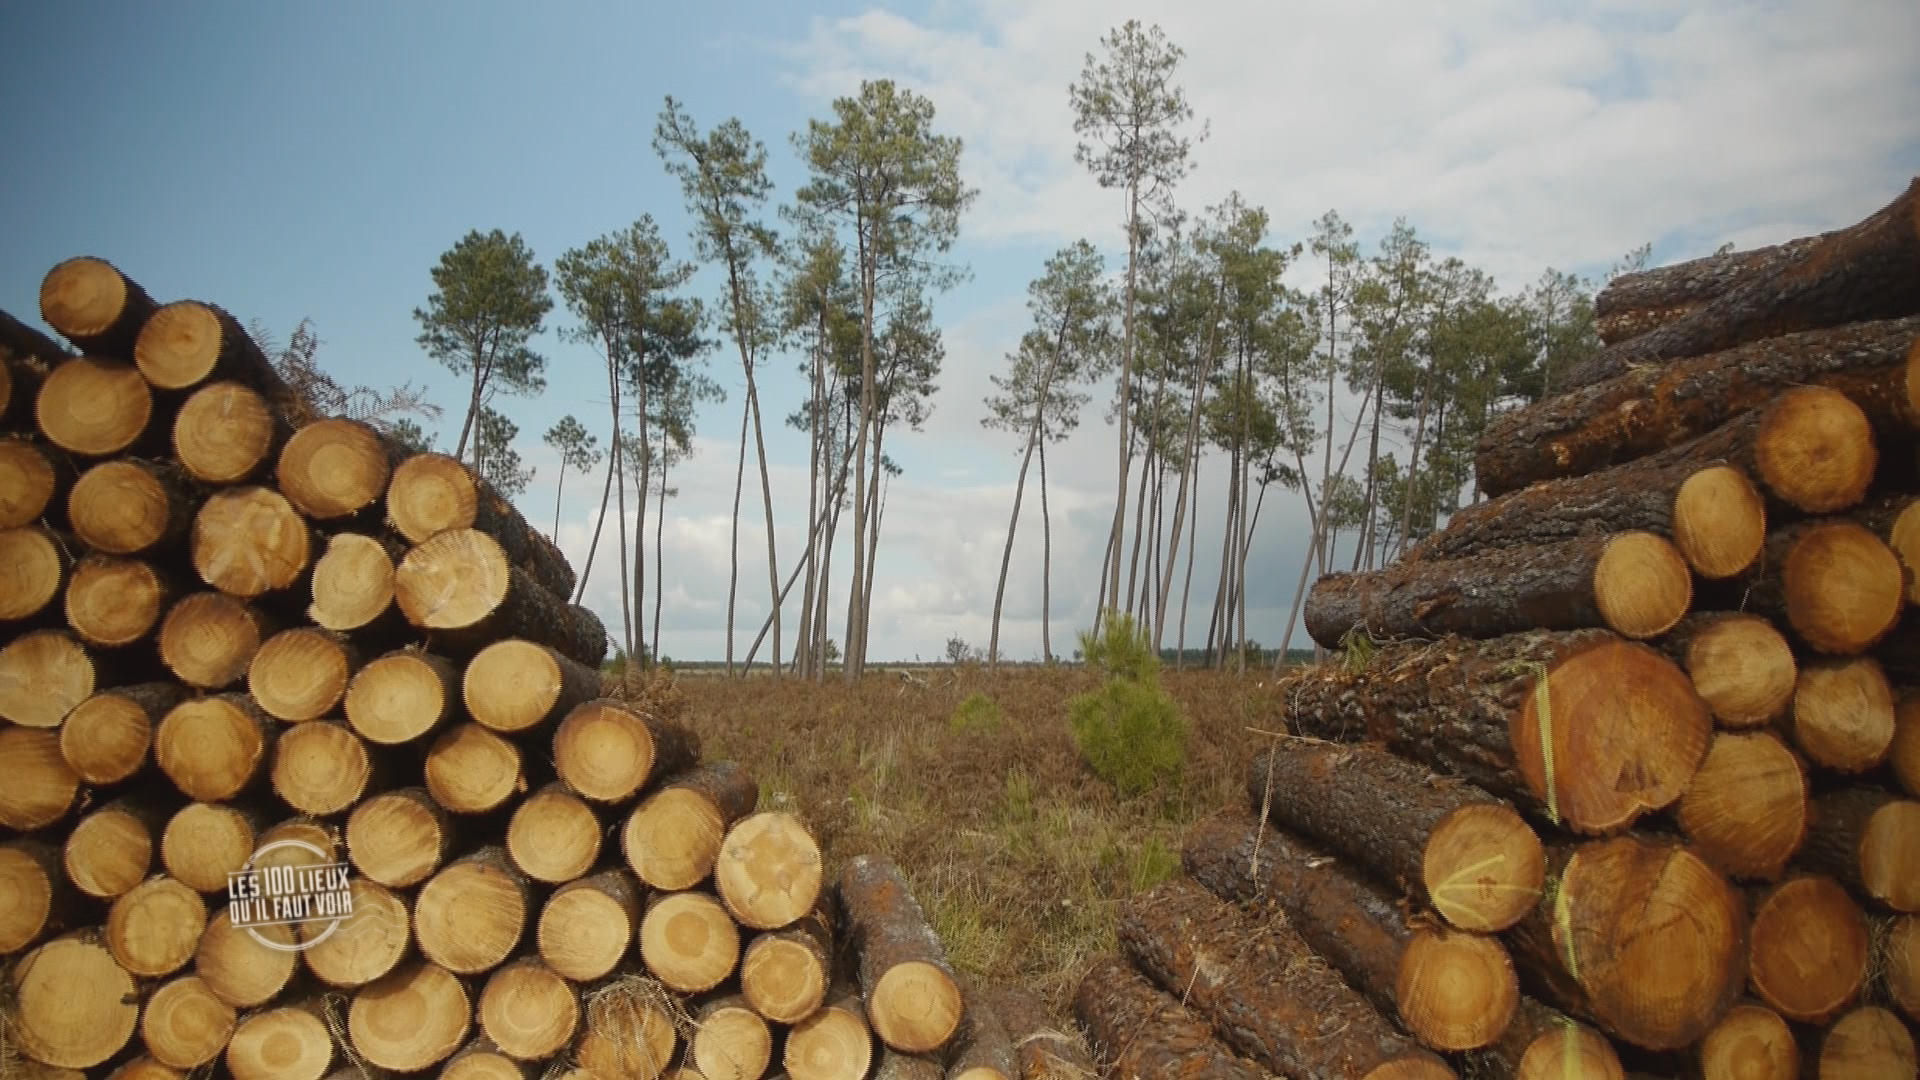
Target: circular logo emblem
x,y
310,896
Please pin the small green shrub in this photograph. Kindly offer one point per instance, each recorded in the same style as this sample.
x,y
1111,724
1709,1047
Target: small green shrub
x,y
977,713
1130,731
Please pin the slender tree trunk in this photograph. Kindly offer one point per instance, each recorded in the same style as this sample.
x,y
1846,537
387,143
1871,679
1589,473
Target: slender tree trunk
x,y
1217,623
1189,464
874,493
1413,466
766,501
1373,467
855,601
659,531
1246,545
1100,596
1139,523
1112,597
813,533
1046,561
1193,527
1333,367
473,412
1006,553
803,636
628,616
606,496
1316,546
733,544
559,485
646,472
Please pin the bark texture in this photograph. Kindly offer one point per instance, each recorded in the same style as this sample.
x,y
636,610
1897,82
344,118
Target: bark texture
x,y
1141,1032
1646,299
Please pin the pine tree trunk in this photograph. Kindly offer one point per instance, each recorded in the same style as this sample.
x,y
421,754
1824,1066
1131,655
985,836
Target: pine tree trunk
x,y
1046,563
1006,552
1111,599
1145,1032
659,573
733,543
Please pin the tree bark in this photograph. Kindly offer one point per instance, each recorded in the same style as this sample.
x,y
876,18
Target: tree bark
x,y
1144,1032
1046,563
981,1049
913,1000
733,543
1645,300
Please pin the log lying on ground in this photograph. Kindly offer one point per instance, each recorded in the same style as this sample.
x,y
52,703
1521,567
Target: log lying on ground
x,y
1646,410
913,1000
1751,1042
26,345
1866,271
672,839
73,1007
129,505
588,925
769,872
1634,583
1843,713
113,603
1144,1032
353,583
1627,729
93,408
1746,811
553,835
431,493
1809,949
1470,855
1868,1043
1740,664
1635,303
607,750
34,479
1044,1051
1258,985
188,343
785,974
1869,839
401,696
95,306
250,540
459,586
981,1048
105,738
334,469
1835,584
513,685
226,433
831,1043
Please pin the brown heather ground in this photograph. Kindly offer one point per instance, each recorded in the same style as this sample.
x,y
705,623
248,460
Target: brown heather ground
x,y
1018,853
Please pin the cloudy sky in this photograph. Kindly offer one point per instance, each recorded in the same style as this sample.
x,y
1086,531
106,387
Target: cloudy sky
x,y
312,161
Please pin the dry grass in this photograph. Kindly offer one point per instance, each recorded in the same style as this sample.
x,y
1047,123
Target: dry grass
x,y
972,784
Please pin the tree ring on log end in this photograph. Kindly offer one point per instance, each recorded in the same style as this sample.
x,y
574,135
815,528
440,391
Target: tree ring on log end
x,y
223,432
83,296
1719,521
1641,585
1750,1041
1843,587
430,493
332,468
93,407
452,580
1815,449
1744,669
1570,1052
1457,990
1483,867
1809,949
915,1007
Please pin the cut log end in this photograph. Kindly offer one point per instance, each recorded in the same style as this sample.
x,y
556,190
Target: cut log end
x,y
430,493
1815,449
84,297
528,1010
410,1020
830,1044
470,770
1456,990
28,482
109,851
1743,668
1843,714
113,603
92,407
630,1030
300,674
248,541
399,697
1570,1052
44,675
915,1007
203,843
239,968
105,738
121,507
1641,585
587,927
211,748
333,468
783,978
1751,1042
1746,810
452,580
321,768
290,1042
732,1041
180,345
1719,521
1903,536
1809,949
1890,855
185,1025
1411,1068
553,836
73,1005
352,583
1483,867
32,567
604,751
688,942
672,839
1843,587
40,786
397,838
769,870
154,927
224,433
1868,1043
28,878
364,946
207,639
469,917
513,685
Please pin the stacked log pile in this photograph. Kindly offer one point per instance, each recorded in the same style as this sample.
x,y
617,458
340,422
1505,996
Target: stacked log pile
x,y
240,642
1620,770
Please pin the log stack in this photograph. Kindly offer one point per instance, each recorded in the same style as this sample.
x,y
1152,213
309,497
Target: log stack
x,y
237,636
1615,774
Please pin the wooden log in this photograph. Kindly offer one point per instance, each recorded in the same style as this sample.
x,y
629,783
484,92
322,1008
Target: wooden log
x,y
688,942
528,1010
785,974
111,849
1259,987
105,738
213,748
93,408
1868,1043
672,839
25,356
140,1068
366,945
913,1000
72,1005
480,1059
225,433
322,768
1457,990
204,842
1634,583
353,584
1740,664
769,872
1470,855
154,928
208,639
113,603
513,685
35,896
830,1043
606,750
981,1049
291,1041
301,673
1635,303
250,540
588,925
33,480
410,1020
1835,584
470,770
459,585
40,787
730,1041
33,570
1896,520
401,696
630,1029
1045,1051
1870,840
1144,1032
1901,977
398,838
188,343
337,468
239,967
1808,950
127,506
471,915
1627,729
95,306
1746,811
1646,410
1751,1042
1543,1043
1843,713
43,676
300,841
184,1025
553,836
432,493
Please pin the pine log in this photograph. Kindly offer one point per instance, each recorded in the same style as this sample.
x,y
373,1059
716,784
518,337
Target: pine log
x,y
769,872
250,540
1045,1052
72,1005
291,1042
730,1041
1543,1043
204,842
831,1043
1843,713
1649,409
40,787
113,603
431,493
481,1059
213,748
1470,855
410,1020
226,433
1896,520
1256,982
913,1000
364,946
336,468
553,835
606,750
785,974
43,676
35,897
1456,989
398,838
95,306
140,1068
471,915
1751,1042
300,842
301,674
672,839
630,1030
1835,584
401,696
154,928
1746,811
1143,1032
1808,950
93,408
688,942
26,355
105,738
981,1049
1635,303
1641,937
1740,664
239,967
188,343
1626,729
127,506
1634,583
528,1011
513,685
209,638
1901,977
111,849
1868,1043
470,770
34,478
1870,840
322,768
459,586
33,570
184,1025
589,924
353,584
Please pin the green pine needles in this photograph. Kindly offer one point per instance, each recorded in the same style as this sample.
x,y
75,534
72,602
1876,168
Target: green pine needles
x,y
1130,731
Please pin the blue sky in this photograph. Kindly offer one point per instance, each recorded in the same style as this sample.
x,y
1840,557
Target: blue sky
x,y
293,161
